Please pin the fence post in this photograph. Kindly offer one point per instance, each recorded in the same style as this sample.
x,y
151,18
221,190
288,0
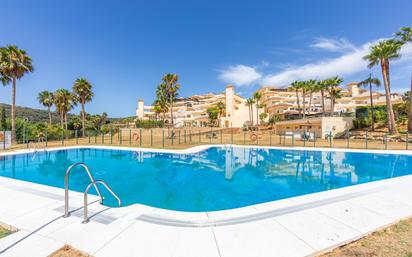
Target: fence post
x,y
231,135
111,136
407,140
151,137
88,134
185,136
221,136
386,141
46,137
95,137
130,137
347,137
4,139
163,137
102,138
270,138
244,137
366,139
62,137
75,134
330,139
173,136
293,139
140,138
190,135
199,137
210,135
179,136
314,139
304,139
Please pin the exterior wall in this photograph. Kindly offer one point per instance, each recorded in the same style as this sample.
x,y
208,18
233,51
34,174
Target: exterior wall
x,y
322,126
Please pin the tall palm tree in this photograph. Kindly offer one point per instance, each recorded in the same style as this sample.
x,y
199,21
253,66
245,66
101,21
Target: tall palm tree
x,y
323,86
405,36
64,101
335,92
304,87
312,87
381,53
46,99
14,64
257,96
171,89
83,92
221,107
249,103
297,86
368,83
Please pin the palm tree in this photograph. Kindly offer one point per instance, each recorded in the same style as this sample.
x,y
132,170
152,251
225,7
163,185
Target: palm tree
x,y
84,94
14,64
312,87
304,87
221,107
381,53
257,96
249,103
157,110
335,92
171,90
297,86
64,102
368,83
323,86
405,35
46,99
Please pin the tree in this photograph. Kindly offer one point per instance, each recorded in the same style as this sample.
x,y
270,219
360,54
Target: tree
x,y
381,53
14,64
313,87
83,92
221,107
257,96
171,91
405,36
46,99
368,83
157,110
297,86
410,110
249,103
64,101
3,122
304,87
335,92
213,113
262,117
323,86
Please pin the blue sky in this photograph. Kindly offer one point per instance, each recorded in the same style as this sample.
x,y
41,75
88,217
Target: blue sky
x,y
124,47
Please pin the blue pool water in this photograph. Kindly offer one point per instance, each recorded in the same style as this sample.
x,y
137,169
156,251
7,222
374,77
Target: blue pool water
x,y
214,179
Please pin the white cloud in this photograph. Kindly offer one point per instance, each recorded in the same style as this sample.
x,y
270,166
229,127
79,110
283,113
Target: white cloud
x,y
334,45
240,75
346,64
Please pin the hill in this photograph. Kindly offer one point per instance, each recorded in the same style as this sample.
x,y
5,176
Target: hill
x,y
33,115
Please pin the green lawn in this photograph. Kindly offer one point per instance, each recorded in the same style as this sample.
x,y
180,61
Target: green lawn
x,y
4,232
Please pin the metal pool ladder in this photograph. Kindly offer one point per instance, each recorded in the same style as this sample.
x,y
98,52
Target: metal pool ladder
x,y
93,183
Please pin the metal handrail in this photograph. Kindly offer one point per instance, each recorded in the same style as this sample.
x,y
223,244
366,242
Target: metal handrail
x,y
94,183
66,186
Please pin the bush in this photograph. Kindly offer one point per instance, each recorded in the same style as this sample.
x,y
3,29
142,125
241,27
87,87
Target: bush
x,y
149,124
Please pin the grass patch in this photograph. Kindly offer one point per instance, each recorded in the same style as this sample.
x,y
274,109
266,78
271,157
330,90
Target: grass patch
x,y
4,232
394,241
68,251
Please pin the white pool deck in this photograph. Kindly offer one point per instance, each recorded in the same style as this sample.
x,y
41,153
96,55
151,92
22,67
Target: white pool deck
x,y
299,226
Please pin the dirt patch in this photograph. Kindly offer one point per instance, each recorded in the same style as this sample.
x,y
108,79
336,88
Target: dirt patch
x,y
394,241
68,251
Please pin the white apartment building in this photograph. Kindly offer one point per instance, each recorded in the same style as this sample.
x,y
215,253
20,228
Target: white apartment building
x,y
283,102
191,111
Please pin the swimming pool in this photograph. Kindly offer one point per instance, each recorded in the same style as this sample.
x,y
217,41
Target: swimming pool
x,y
217,178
